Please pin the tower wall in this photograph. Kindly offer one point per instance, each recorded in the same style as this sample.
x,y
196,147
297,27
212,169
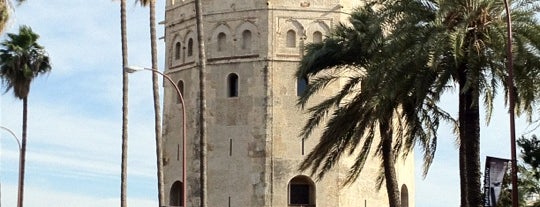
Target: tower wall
x,y
253,144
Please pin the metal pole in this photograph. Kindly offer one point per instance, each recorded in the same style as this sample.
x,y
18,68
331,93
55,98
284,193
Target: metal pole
x,y
19,192
510,83
184,165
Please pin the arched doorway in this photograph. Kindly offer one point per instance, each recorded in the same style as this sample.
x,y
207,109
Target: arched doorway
x,y
176,194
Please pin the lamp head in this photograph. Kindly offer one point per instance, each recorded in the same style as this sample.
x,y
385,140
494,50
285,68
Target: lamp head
x,y
132,69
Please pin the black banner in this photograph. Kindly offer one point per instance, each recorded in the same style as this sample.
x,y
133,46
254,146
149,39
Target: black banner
x,y
493,178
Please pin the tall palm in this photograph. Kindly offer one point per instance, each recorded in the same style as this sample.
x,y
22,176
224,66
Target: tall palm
x,y
461,45
466,41
123,173
155,90
21,60
357,115
202,104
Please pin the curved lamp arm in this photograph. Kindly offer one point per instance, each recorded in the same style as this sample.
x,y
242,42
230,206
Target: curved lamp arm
x,y
132,69
12,134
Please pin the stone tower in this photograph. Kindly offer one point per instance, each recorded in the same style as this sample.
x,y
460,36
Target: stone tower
x,y
253,48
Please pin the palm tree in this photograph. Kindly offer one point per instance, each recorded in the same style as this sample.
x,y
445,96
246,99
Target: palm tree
x,y
202,104
123,176
465,41
456,44
155,90
21,60
359,114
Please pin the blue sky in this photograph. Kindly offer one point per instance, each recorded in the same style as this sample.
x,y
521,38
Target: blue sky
x,y
75,115
75,112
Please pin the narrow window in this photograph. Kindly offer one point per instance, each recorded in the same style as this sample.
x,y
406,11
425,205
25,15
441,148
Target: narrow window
x,y
301,86
303,144
176,194
177,49
230,147
178,152
190,47
317,37
246,40
229,201
180,85
232,85
291,38
221,42
301,191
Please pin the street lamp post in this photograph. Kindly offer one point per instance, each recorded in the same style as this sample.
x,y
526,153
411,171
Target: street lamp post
x,y
510,83
20,190
132,69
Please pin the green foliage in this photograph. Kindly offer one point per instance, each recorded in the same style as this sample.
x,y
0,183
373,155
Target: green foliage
x,y
528,179
391,93
404,56
22,59
530,153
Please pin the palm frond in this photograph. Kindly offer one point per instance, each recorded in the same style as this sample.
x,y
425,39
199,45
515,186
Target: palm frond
x,y
22,59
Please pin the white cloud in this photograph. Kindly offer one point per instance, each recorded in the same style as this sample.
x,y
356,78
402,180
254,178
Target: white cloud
x,y
59,135
75,111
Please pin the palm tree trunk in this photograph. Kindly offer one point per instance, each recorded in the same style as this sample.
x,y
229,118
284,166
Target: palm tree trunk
x,y
471,137
22,153
462,157
123,179
389,163
202,84
463,175
157,108
469,124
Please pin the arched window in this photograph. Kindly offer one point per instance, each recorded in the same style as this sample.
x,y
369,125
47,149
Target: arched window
x,y
221,41
177,194
246,40
232,85
190,47
301,191
180,85
301,86
404,196
291,38
177,49
317,37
